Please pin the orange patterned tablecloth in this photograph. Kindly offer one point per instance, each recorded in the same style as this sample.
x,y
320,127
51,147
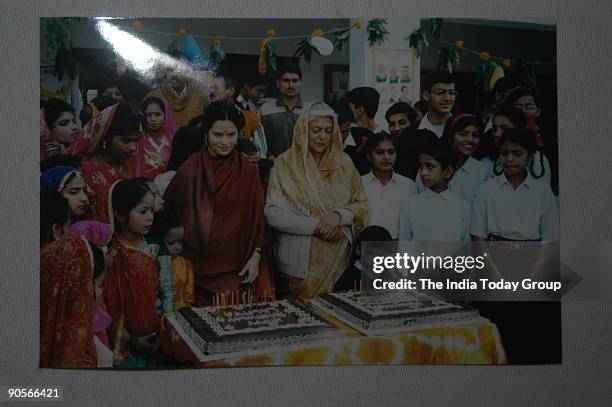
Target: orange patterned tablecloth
x,y
470,344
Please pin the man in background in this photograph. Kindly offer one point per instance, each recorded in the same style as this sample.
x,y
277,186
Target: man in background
x,y
279,117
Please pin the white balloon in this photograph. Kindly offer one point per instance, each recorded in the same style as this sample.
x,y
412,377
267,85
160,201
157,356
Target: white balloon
x,y
323,45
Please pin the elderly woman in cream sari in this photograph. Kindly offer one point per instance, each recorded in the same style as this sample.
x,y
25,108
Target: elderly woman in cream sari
x,y
315,204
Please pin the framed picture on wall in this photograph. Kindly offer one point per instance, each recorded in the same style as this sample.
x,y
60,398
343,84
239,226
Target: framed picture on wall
x,y
336,82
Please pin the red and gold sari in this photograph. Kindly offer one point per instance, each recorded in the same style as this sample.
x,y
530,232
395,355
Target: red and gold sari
x,y
66,304
221,203
130,289
100,175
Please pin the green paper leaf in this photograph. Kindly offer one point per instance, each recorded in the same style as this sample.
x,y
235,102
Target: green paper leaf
x,y
437,27
418,42
377,32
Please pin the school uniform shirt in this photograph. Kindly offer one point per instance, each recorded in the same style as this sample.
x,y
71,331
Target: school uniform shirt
x,y
526,213
386,200
435,217
537,167
465,181
427,125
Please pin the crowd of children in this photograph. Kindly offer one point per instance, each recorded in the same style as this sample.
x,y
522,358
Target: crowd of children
x,y
140,217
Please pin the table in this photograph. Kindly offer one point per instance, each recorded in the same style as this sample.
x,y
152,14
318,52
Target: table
x,y
479,343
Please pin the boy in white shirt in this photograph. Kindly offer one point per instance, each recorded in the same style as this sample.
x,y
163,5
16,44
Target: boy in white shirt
x,y
435,215
386,190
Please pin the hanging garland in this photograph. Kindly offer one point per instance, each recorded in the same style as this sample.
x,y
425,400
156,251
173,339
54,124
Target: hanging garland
x,y
267,54
437,27
418,42
448,57
217,54
343,35
305,48
377,32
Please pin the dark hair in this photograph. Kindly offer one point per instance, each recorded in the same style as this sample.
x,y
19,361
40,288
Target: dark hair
x,y
265,166
515,115
485,100
365,97
401,107
187,141
125,121
102,102
54,210
518,93
437,77
377,138
375,234
229,81
440,151
521,136
289,68
454,126
152,100
126,194
66,160
359,132
163,223
343,112
506,83
422,106
54,108
99,263
246,146
196,121
253,79
526,138
222,110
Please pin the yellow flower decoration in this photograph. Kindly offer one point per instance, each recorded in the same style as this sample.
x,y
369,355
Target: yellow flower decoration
x,y
317,33
216,40
459,44
357,24
182,31
138,24
271,32
506,63
485,56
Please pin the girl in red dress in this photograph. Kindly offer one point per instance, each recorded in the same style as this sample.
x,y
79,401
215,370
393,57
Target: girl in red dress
x,y
131,279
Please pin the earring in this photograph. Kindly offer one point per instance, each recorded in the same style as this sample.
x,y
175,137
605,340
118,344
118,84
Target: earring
x,y
104,145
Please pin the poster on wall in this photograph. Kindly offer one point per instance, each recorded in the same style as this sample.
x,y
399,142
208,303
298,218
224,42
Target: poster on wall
x,y
51,87
393,76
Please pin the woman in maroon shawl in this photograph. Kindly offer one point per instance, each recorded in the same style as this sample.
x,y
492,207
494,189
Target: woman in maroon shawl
x,y
218,195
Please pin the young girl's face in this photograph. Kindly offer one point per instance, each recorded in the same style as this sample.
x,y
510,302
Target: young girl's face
x,y
65,128
155,116
140,218
174,241
383,156
466,141
222,137
122,148
157,197
514,158
75,193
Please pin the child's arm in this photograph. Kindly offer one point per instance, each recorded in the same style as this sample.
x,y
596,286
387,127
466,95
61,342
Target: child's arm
x,y
189,295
